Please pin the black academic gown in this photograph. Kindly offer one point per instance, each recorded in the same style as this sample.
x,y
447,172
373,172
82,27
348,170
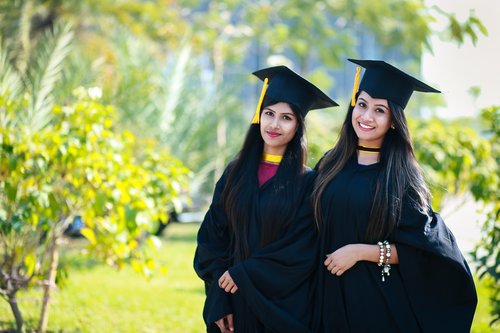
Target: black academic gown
x,y
274,282
431,290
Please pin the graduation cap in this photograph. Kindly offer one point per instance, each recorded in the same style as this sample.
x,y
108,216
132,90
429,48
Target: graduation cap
x,y
382,80
284,85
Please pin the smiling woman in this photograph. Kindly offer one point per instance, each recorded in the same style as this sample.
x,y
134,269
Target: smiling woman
x,y
258,243
391,263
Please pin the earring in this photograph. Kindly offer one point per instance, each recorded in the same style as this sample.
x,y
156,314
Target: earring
x,y
393,127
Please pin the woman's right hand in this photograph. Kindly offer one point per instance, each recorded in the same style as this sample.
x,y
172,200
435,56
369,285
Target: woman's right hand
x,y
339,261
226,282
226,324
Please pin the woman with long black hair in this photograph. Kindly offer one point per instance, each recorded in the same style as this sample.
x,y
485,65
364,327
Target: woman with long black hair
x,y
257,243
389,263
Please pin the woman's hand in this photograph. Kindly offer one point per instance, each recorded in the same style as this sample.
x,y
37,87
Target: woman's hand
x,y
226,323
226,282
339,261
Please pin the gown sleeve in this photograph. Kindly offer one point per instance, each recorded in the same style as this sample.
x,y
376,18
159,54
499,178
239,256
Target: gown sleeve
x,y
281,269
438,280
212,257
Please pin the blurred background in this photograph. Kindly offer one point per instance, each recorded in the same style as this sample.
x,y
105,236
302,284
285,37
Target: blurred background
x,y
117,117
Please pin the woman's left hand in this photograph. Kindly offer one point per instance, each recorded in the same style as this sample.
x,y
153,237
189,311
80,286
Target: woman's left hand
x,y
339,261
226,282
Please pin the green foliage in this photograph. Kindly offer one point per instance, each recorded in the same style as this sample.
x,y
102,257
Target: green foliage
x,y
459,31
487,252
132,50
28,236
456,163
36,77
323,127
45,72
80,165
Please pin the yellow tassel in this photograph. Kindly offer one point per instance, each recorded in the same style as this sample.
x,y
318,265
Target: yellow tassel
x,y
256,118
356,85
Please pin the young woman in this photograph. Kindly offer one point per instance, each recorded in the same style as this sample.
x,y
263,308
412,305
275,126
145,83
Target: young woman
x,y
389,263
258,240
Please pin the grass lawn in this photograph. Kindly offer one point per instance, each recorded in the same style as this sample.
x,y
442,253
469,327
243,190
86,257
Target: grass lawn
x,y
98,299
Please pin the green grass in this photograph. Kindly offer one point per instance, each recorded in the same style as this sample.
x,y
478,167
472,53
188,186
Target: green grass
x,y
97,298
482,319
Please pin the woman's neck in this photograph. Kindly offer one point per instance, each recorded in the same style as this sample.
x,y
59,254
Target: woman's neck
x,y
274,150
367,158
368,153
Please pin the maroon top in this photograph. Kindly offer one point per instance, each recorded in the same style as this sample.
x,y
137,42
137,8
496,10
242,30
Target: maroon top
x,y
266,171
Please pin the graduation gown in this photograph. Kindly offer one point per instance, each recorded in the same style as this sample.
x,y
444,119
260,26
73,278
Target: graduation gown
x,y
430,290
274,282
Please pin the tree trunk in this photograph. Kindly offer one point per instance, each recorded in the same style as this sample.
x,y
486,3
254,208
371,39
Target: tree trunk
x,y
17,313
49,283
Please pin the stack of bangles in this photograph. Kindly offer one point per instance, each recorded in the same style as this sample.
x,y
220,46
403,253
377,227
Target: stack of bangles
x,y
384,258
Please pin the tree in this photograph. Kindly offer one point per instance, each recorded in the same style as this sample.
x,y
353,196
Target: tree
x,y
59,162
458,163
131,50
26,99
78,165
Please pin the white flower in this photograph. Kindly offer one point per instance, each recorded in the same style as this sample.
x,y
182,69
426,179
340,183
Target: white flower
x,y
95,92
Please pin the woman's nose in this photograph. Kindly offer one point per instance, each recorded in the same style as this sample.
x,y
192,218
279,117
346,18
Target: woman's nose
x,y
367,115
276,122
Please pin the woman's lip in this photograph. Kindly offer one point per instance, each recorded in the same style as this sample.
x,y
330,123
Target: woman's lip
x,y
273,134
365,127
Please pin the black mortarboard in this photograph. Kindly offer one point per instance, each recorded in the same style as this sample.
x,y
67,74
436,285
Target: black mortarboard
x,y
382,80
287,86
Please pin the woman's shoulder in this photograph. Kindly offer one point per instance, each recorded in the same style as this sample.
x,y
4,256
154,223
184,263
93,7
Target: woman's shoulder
x,y
322,159
309,172
308,178
225,174
331,158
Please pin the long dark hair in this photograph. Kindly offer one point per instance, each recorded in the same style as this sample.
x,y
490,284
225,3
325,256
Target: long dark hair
x,y
400,175
240,194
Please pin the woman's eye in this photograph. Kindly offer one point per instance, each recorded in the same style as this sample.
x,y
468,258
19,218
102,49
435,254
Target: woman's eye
x,y
361,104
268,113
287,118
379,110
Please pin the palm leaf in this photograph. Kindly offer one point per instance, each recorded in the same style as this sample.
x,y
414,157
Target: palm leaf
x,y
10,84
23,40
175,85
10,81
47,69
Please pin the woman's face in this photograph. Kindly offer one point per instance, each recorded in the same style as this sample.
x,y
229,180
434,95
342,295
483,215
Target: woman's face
x,y
278,125
371,119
